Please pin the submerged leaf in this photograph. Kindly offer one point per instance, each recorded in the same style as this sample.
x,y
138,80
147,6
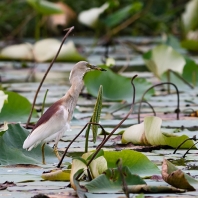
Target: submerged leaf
x,y
176,177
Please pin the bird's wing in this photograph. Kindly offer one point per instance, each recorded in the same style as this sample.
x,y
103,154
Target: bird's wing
x,y
54,124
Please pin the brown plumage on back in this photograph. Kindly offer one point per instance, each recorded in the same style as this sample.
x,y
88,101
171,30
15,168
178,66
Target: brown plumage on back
x,y
56,120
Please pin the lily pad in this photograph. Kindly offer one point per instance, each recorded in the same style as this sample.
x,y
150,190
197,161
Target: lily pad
x,y
68,51
149,133
162,58
111,181
17,52
17,109
11,151
115,86
137,162
177,178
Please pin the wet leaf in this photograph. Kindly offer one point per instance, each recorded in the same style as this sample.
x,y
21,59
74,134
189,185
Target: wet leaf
x,y
149,133
115,86
97,166
137,162
45,7
162,58
16,109
177,178
11,151
111,181
57,175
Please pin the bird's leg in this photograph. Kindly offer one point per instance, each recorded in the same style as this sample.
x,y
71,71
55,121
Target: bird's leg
x,y
56,152
43,153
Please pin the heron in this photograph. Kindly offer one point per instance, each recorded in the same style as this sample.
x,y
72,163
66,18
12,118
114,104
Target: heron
x,y
56,120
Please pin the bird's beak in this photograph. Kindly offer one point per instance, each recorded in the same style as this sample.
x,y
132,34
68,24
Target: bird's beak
x,y
96,68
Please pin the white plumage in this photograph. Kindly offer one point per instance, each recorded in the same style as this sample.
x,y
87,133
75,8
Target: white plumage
x,y
56,120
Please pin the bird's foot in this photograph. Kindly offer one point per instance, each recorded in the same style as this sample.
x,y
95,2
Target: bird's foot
x,y
56,152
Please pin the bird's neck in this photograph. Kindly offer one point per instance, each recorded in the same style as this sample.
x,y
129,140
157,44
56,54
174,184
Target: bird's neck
x,y
71,97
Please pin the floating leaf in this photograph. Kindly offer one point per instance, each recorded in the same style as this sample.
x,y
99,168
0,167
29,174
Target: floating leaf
x,y
115,86
153,189
111,181
90,17
46,49
97,166
11,151
163,58
17,52
137,162
149,133
3,98
57,175
45,7
176,177
17,109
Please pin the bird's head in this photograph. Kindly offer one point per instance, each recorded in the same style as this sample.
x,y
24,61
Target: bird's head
x,y
80,69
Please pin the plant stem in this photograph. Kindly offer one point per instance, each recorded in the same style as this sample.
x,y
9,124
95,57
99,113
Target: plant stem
x,y
69,30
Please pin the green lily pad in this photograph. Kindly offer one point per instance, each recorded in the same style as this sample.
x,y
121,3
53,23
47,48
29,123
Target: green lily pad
x,y
111,181
162,58
149,133
11,151
137,162
115,86
17,109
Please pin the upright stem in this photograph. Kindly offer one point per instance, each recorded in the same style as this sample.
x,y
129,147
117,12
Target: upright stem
x,y
45,75
168,80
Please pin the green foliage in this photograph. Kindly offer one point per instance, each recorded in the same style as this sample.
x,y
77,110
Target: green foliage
x,y
118,16
115,86
163,58
111,181
16,109
96,113
45,7
11,151
137,162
